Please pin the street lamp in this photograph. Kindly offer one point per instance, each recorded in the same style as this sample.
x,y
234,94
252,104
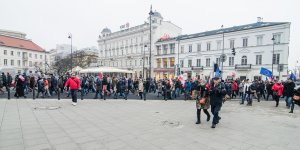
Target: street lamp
x,y
144,61
150,13
70,37
222,53
273,39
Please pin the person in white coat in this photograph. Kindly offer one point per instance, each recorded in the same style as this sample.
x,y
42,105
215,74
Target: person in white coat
x,y
246,94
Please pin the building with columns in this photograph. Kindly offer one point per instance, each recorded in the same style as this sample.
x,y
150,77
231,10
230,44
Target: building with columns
x,y
21,55
196,54
129,48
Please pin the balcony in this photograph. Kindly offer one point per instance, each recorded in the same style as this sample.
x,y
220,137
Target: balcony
x,y
243,67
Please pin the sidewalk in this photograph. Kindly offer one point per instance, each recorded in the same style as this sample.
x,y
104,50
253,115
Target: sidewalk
x,y
133,124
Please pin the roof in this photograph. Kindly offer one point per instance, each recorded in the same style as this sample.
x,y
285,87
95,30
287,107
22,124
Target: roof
x,y
157,14
225,30
19,43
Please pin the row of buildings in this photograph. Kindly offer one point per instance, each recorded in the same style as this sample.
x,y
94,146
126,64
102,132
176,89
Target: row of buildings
x,y
257,45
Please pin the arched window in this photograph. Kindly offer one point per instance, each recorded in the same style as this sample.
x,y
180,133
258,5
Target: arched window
x,y
244,60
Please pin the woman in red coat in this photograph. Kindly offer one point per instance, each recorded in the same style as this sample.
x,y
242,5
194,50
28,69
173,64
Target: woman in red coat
x,y
234,88
277,89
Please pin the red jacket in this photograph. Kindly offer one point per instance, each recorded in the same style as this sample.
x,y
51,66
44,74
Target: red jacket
x,y
234,86
74,83
277,88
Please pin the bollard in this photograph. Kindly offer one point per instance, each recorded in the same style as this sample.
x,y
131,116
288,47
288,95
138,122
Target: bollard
x,y
33,93
8,92
58,94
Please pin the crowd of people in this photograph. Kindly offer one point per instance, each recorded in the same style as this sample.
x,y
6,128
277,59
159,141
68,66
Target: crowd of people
x,y
207,93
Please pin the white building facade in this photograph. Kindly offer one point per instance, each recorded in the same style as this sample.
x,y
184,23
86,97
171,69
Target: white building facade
x,y
130,48
21,55
253,46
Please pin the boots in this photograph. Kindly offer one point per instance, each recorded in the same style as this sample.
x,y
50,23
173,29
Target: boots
x,y
198,116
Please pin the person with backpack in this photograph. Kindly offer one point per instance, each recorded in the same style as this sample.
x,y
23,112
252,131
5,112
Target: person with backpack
x,y
41,89
98,88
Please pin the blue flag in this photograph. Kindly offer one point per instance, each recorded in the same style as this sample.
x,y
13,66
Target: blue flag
x,y
292,76
217,73
266,72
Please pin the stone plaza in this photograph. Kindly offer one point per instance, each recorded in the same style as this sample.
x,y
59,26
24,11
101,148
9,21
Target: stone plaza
x,y
45,124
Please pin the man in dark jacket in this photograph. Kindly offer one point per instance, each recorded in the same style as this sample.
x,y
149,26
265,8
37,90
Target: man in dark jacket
x,y
289,92
53,85
269,86
217,92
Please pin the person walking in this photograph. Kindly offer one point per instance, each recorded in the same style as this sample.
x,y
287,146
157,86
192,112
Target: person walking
x,y
46,86
203,102
289,87
141,89
246,89
74,84
20,86
98,88
217,92
277,89
269,86
234,87
41,89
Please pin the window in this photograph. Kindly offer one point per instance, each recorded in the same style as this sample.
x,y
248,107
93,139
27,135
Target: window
x,y
30,63
141,62
19,54
277,38
135,63
190,48
12,62
19,63
208,44
158,62
207,62
245,42
218,45
198,47
182,48
231,61
231,44
165,62
276,58
12,53
35,56
172,61
218,61
198,62
5,62
259,40
172,48
5,52
244,60
181,63
165,49
30,55
258,59
189,63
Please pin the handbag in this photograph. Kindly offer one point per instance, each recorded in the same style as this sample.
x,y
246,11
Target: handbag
x,y
296,97
202,101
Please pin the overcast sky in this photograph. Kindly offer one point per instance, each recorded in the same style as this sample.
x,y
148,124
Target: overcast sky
x,y
48,22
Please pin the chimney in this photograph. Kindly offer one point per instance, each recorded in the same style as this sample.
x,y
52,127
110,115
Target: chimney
x,y
259,19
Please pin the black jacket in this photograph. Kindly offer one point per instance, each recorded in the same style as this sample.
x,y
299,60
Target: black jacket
x,y
216,94
289,89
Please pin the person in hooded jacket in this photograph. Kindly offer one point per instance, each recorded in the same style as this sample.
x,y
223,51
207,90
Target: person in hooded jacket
x,y
277,89
74,84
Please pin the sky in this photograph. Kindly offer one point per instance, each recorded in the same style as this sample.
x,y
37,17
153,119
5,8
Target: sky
x,y
48,22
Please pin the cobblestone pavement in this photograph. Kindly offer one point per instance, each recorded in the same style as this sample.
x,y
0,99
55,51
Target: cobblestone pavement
x,y
144,125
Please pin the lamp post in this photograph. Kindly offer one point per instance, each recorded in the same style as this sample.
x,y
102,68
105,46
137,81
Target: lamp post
x,y
273,39
144,61
70,37
150,14
178,39
222,53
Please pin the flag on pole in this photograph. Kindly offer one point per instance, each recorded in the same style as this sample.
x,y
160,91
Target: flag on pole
x,y
266,72
292,76
217,73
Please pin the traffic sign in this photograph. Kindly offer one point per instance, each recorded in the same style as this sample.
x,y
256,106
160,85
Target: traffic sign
x,y
223,58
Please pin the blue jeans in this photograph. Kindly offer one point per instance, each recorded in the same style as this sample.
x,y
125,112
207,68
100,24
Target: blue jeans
x,y
215,111
289,101
177,92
